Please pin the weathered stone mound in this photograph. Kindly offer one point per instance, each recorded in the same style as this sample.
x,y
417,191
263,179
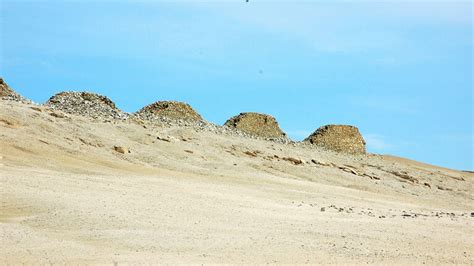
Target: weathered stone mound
x,y
169,110
6,93
339,138
259,125
86,104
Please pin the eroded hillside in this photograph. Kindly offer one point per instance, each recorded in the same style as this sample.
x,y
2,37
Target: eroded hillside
x,y
75,189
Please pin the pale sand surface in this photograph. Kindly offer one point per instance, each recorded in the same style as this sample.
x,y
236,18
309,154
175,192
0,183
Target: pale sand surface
x,y
68,197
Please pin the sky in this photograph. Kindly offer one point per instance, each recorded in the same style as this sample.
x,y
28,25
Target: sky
x,y
401,71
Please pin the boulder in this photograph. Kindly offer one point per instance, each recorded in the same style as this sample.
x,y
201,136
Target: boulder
x,y
169,110
255,124
86,104
339,138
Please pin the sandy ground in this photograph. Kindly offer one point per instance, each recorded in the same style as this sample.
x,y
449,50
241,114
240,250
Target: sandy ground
x,y
68,197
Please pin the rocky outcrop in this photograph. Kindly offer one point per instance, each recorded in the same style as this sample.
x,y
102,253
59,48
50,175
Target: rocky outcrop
x,y
339,138
259,125
86,104
169,110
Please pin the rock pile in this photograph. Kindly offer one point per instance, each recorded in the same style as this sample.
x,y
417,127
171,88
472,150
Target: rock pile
x,y
6,93
339,138
259,125
168,110
86,104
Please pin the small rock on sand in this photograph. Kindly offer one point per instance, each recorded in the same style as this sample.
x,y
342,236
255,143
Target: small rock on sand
x,y
121,150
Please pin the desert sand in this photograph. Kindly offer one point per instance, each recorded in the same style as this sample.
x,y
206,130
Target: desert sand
x,y
187,196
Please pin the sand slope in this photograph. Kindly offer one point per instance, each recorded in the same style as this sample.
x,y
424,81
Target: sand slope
x,y
187,196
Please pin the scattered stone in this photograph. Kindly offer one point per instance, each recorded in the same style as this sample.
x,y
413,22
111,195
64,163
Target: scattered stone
x,y
259,125
86,104
121,150
57,114
348,169
167,139
323,209
339,138
405,176
293,160
163,139
188,151
444,188
322,163
169,110
427,185
252,153
37,109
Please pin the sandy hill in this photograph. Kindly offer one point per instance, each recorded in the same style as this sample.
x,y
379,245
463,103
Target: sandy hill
x,y
82,190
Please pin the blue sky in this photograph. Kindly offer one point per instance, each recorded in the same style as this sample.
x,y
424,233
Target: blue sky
x,y
400,71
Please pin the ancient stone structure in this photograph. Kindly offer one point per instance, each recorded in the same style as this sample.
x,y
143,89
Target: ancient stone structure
x,y
339,138
259,125
7,93
169,110
86,104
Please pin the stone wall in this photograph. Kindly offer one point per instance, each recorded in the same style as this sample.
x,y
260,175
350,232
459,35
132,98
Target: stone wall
x,y
169,109
259,125
339,138
86,104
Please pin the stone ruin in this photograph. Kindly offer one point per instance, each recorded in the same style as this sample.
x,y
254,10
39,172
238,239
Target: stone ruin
x,y
7,93
86,104
169,110
339,138
258,125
